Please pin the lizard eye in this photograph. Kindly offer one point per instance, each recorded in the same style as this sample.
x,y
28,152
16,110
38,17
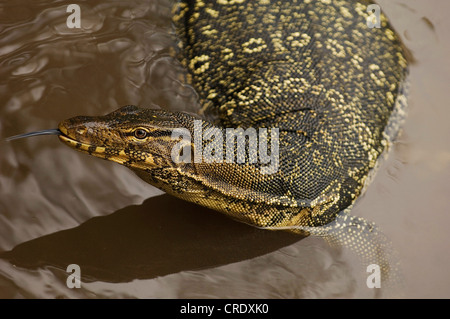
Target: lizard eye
x,y
140,133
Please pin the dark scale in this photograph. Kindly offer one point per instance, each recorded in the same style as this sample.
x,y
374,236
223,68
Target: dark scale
x,y
333,87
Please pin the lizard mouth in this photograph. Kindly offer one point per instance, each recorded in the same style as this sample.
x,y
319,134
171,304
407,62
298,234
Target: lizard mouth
x,y
65,137
103,152
91,149
82,147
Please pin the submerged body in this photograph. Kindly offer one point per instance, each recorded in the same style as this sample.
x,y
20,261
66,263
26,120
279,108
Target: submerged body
x,y
314,70
331,88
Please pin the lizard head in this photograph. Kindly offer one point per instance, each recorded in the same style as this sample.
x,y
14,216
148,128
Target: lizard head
x,y
138,138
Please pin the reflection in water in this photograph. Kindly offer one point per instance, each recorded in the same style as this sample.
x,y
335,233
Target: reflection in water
x,y
139,242
49,195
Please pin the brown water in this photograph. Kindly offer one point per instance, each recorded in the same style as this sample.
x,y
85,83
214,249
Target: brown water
x,y
59,207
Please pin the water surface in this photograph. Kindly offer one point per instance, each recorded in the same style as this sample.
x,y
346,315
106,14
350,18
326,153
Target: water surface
x,y
59,207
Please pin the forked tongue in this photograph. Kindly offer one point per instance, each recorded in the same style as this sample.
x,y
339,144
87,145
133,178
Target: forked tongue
x,y
44,132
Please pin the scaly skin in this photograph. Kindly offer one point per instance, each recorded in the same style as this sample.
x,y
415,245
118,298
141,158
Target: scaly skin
x,y
312,69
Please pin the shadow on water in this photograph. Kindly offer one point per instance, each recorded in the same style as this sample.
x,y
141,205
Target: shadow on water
x,y
144,241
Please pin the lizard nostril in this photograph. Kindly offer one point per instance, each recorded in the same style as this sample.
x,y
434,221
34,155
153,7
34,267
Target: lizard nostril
x,y
81,131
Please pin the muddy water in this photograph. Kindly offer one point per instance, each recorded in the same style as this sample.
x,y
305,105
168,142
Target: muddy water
x,y
59,207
